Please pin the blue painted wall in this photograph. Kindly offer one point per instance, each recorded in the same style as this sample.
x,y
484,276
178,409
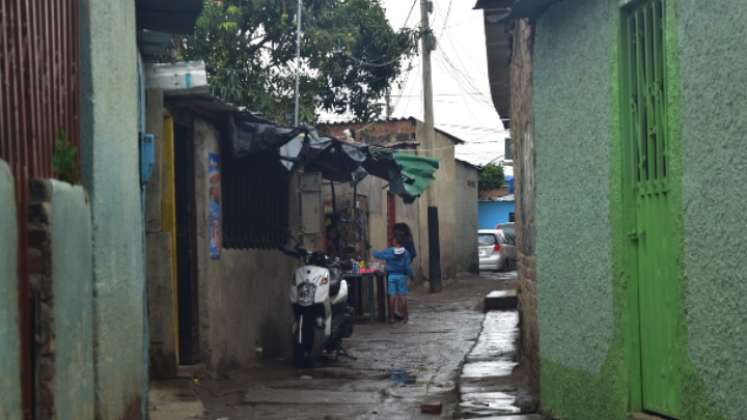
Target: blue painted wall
x,y
490,213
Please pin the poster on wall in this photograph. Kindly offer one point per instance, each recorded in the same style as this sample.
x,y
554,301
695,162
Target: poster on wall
x,y
214,204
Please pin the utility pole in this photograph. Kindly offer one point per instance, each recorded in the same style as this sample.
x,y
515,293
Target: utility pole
x,y
298,62
428,43
388,98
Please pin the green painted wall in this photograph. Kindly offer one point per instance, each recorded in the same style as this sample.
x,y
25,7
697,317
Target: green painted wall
x,y
70,226
10,346
109,153
585,324
582,360
713,78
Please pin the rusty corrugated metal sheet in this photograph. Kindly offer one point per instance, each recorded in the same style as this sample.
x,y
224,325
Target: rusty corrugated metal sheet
x,y
39,96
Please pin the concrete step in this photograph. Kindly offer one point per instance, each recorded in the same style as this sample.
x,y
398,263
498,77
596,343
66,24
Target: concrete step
x,y
501,300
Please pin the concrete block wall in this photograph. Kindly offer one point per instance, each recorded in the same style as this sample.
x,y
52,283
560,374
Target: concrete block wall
x,y
60,242
110,173
10,346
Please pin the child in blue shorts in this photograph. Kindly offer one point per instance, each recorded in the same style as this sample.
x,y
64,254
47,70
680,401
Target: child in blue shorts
x,y
398,270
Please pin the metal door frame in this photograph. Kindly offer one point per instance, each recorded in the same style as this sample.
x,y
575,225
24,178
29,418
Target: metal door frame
x,y
628,223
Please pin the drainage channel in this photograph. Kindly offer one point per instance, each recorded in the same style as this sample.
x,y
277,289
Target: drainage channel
x,y
491,385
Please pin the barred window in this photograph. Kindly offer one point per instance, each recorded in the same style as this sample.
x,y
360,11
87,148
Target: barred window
x,y
255,202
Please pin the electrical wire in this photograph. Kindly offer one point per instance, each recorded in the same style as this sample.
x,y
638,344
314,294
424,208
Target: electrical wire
x,y
468,79
407,20
446,19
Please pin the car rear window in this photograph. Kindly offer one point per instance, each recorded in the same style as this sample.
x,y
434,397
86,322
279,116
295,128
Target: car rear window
x,y
485,239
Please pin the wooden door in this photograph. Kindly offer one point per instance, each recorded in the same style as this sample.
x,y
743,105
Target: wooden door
x,y
648,180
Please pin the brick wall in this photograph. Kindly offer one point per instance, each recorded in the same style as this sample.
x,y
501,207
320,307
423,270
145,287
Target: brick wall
x,y
522,128
375,133
40,273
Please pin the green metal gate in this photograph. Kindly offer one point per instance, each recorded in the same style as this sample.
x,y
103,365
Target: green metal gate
x,y
648,200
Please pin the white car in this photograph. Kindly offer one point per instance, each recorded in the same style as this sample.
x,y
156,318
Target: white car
x,y
496,249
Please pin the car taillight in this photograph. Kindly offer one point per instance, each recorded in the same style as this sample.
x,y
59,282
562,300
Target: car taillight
x,y
497,248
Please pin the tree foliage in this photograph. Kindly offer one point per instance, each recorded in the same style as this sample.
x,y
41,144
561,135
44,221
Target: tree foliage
x,y
351,55
492,177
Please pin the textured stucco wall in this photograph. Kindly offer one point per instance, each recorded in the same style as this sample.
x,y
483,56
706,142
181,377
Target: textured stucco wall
x,y
10,346
465,200
109,155
573,104
72,291
243,296
713,58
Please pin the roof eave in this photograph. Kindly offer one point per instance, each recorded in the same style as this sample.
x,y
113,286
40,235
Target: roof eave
x,y
528,9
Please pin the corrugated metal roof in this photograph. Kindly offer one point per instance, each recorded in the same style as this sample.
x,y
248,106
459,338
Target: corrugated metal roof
x,y
451,137
173,16
493,4
529,8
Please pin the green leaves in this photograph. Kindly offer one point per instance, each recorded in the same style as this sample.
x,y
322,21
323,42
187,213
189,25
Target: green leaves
x,y
350,55
64,159
491,177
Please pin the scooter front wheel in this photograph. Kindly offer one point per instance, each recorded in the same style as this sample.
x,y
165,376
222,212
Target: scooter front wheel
x,y
308,352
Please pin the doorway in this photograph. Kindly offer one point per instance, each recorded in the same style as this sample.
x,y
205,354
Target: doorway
x,y
186,245
391,217
648,206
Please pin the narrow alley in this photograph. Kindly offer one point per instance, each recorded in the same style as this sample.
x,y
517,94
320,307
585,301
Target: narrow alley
x,y
373,209
397,369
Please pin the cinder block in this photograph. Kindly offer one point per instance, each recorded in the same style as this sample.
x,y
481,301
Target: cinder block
x,y
431,407
501,300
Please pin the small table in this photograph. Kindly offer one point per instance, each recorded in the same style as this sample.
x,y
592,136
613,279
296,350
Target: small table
x,y
368,289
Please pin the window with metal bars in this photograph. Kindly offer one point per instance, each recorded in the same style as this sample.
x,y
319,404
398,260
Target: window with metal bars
x,y
645,88
255,198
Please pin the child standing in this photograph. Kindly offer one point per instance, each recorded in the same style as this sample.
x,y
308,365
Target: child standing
x,y
398,270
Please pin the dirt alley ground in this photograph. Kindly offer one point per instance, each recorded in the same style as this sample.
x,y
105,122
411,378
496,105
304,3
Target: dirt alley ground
x,y
443,328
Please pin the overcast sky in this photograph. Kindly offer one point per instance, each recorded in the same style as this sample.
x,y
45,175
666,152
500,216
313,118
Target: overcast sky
x,y
462,103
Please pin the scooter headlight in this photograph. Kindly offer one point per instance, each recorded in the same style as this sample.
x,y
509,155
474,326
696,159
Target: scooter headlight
x,y
306,293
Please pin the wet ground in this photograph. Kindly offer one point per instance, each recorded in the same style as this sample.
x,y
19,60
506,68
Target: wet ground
x,y
441,351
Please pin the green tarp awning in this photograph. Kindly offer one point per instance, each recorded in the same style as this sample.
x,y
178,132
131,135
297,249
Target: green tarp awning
x,y
417,172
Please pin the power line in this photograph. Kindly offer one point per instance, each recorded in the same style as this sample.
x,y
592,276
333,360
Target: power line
x,y
446,19
465,79
447,94
404,25
481,127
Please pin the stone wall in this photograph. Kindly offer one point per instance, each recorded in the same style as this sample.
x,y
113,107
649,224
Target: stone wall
x,y
61,273
10,344
522,136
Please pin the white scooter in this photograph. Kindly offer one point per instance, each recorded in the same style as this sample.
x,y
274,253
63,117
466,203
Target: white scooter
x,y
319,297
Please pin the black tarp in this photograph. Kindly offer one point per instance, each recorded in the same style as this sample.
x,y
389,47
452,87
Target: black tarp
x,y
247,134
